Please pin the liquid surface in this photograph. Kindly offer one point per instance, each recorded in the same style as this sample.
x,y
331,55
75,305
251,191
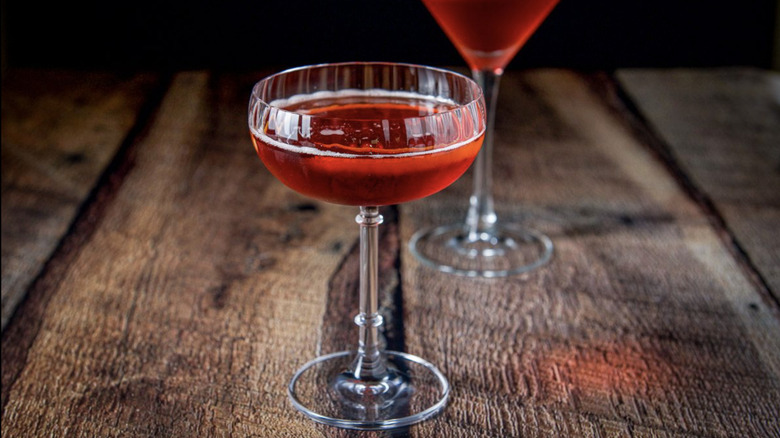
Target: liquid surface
x,y
367,149
488,33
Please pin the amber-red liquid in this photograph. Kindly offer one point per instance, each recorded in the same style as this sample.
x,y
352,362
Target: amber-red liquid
x,y
363,152
488,33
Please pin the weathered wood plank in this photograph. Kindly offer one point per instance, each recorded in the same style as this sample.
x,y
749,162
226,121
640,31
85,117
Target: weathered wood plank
x,y
197,291
194,284
60,131
642,325
722,128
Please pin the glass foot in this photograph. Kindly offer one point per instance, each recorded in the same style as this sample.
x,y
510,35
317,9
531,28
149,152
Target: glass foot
x,y
412,390
504,251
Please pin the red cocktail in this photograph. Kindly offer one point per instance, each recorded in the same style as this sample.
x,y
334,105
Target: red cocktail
x,y
488,33
367,134
368,149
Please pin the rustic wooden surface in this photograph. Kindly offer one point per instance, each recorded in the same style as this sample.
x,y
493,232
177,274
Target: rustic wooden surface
x,y
191,284
60,131
722,128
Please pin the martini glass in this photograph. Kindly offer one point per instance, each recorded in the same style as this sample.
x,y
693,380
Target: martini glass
x,y
488,34
367,135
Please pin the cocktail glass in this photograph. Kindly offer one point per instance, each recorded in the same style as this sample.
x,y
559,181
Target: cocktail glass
x,y
367,135
488,34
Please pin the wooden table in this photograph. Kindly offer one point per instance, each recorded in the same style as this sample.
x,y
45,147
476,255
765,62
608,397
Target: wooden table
x,y
158,281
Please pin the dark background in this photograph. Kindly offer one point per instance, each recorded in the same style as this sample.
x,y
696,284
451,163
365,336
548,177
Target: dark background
x,y
243,35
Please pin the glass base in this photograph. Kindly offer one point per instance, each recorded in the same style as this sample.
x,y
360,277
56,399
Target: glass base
x,y
505,251
412,391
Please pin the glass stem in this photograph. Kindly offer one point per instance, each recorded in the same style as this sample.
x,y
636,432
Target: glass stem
x,y
369,363
481,217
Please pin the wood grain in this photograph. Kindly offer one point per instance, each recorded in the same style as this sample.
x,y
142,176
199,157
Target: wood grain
x,y
60,131
642,325
200,289
193,284
723,129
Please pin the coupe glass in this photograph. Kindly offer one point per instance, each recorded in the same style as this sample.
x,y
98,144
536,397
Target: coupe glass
x,y
488,34
367,135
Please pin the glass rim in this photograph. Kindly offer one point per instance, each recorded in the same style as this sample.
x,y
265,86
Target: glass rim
x,y
478,94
